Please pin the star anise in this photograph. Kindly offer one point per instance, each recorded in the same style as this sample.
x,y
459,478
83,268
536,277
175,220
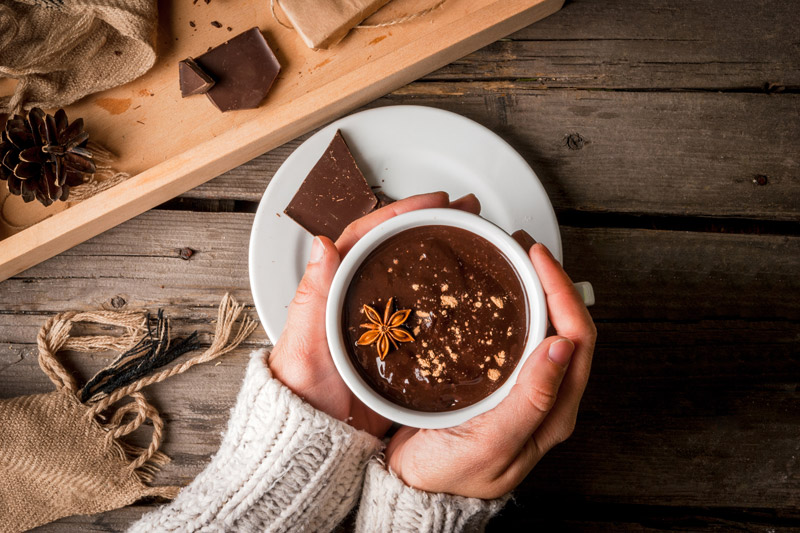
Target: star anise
x,y
386,329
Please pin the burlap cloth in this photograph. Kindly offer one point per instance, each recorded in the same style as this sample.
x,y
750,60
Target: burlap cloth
x,y
61,453
62,50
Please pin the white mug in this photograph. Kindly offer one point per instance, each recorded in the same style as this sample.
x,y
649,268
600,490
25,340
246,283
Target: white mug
x,y
537,312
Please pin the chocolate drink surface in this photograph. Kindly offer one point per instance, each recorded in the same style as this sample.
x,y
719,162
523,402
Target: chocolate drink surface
x,y
468,318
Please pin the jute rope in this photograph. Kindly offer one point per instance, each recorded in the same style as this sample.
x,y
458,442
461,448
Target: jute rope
x,y
227,316
392,22
108,177
54,336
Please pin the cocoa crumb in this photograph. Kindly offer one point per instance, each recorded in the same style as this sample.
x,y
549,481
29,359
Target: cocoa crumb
x,y
449,301
216,23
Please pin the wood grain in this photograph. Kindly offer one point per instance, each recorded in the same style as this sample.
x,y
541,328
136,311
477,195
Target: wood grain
x,y
663,274
665,153
164,165
686,412
651,44
690,419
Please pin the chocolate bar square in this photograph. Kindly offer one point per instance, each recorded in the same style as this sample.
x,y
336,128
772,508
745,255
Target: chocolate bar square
x,y
334,194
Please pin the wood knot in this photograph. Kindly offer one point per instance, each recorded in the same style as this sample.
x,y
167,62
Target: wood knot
x,y
574,141
185,253
761,179
118,302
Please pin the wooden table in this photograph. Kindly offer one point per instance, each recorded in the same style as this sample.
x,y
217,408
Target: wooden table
x,y
667,134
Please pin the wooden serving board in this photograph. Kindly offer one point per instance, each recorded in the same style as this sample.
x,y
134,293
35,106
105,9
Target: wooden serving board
x,y
170,145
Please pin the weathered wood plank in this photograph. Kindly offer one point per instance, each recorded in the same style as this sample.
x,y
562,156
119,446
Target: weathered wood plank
x,y
636,273
668,153
644,436
551,514
548,516
679,411
665,421
617,44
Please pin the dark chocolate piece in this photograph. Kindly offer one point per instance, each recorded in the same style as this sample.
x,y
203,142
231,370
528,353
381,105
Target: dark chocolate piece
x,y
383,199
468,317
244,69
192,78
524,239
334,193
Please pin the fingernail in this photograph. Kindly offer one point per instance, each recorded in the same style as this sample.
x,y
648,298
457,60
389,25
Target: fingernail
x,y
544,248
560,352
317,251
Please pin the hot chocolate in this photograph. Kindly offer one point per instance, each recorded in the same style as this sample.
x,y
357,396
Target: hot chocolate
x,y
435,318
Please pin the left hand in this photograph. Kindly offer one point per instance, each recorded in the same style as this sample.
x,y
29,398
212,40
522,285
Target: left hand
x,y
301,359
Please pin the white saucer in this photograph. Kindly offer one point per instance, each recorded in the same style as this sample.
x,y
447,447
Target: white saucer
x,y
406,150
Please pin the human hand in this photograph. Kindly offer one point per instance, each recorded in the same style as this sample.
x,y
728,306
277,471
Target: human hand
x,y
301,359
489,455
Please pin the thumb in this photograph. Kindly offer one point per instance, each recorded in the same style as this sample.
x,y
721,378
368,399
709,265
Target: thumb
x,y
534,394
306,319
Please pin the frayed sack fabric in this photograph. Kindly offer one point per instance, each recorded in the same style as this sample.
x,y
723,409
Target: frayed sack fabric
x,y
60,51
61,453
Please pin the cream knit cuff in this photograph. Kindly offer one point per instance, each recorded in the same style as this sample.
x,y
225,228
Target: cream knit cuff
x,y
282,466
388,504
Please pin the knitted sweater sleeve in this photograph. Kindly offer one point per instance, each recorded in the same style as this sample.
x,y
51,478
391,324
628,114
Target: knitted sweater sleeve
x,y
388,504
282,466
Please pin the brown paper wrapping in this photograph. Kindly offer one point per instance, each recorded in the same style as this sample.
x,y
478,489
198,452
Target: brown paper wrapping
x,y
323,23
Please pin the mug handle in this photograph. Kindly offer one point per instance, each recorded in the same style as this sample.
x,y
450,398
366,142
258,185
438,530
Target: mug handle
x,y
586,291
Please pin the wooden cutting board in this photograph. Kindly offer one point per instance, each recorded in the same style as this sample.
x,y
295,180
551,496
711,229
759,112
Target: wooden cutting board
x,y
170,145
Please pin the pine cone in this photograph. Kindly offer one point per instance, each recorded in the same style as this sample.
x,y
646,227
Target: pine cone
x,y
43,156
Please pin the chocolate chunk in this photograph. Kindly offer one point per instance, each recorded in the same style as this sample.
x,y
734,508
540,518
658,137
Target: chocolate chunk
x,y
524,239
244,69
192,78
468,318
383,199
334,193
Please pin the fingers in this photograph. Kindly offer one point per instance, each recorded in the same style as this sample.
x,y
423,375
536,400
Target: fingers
x,y
360,227
564,305
304,332
531,398
571,319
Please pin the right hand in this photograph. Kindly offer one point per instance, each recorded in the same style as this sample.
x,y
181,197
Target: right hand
x,y
489,455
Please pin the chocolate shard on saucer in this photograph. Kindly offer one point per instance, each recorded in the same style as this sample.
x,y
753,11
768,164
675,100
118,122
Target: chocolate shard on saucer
x,y
243,68
524,239
334,193
383,199
193,79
